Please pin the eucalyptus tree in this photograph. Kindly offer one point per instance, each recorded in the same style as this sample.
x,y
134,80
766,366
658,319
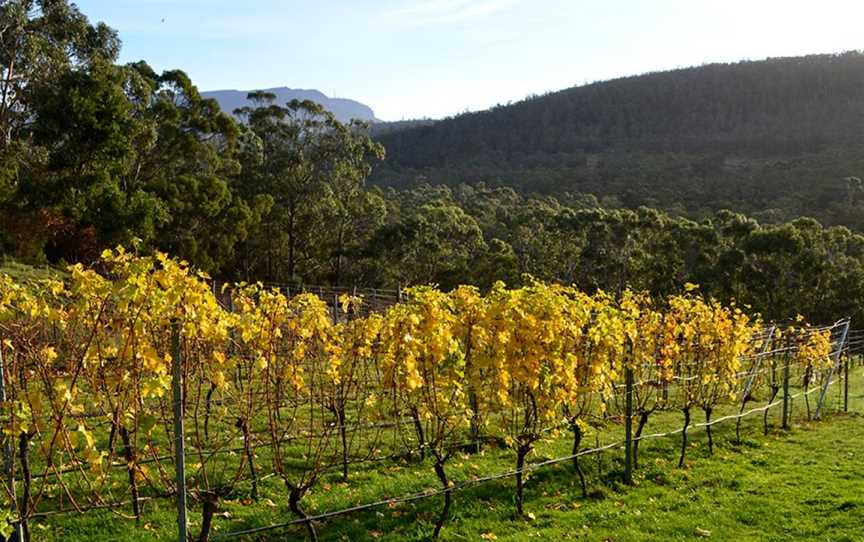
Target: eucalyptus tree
x,y
313,167
93,153
41,41
190,163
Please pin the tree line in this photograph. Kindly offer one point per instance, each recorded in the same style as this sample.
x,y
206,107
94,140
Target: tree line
x,y
480,234
94,154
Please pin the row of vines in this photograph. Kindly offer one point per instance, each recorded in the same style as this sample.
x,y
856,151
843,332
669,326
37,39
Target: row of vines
x,y
289,388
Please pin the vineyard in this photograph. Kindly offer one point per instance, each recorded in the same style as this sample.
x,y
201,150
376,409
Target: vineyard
x,y
137,387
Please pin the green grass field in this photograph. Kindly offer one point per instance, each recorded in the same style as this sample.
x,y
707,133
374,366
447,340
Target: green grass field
x,y
22,272
802,484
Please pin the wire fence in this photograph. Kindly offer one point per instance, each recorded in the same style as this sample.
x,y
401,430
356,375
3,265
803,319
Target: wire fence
x,y
769,362
374,299
839,348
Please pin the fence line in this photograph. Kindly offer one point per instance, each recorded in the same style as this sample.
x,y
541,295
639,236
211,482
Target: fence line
x,y
842,344
489,478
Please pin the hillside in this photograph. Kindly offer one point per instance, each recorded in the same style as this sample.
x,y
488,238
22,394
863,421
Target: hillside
x,y
777,138
343,108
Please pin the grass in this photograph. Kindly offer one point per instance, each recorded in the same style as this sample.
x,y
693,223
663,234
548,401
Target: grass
x,y
22,272
802,484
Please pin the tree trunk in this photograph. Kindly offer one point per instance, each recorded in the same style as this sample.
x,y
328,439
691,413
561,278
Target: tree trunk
x,y
684,436
774,391
708,430
472,396
250,457
418,427
599,456
340,243
291,241
448,496
643,420
278,389
521,452
577,440
207,406
129,456
113,434
343,436
209,508
294,497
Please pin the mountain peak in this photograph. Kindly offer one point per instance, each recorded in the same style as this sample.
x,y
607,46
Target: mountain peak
x,y
343,108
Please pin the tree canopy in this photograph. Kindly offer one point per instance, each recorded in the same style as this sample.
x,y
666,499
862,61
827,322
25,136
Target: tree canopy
x,y
616,184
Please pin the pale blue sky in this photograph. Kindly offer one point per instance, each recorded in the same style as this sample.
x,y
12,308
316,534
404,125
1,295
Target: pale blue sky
x,y
416,58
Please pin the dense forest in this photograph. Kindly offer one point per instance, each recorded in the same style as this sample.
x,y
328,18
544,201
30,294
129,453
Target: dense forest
x,y
776,139
95,153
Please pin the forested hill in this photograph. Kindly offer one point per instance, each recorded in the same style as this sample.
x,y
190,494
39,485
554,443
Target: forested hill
x,y
779,136
344,109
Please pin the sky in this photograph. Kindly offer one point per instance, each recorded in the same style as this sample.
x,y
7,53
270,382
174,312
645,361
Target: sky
x,y
435,58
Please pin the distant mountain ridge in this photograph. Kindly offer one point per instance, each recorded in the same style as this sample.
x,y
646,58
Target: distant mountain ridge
x,y
343,108
777,105
775,138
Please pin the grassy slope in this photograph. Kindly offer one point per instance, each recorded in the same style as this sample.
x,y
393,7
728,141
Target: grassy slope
x,y
805,484
20,271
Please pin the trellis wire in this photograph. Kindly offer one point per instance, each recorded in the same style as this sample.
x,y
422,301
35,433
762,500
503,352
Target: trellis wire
x,y
485,479
852,345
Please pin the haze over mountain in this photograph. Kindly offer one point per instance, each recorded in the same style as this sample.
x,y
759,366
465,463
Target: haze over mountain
x,y
779,138
344,108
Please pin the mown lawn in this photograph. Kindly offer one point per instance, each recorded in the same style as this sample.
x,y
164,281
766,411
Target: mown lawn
x,y
802,484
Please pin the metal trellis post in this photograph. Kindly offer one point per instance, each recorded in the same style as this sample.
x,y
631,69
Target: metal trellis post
x,y
846,385
628,428
17,535
837,355
786,395
179,437
757,363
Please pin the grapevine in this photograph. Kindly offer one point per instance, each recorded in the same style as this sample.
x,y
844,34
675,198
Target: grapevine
x,y
88,361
